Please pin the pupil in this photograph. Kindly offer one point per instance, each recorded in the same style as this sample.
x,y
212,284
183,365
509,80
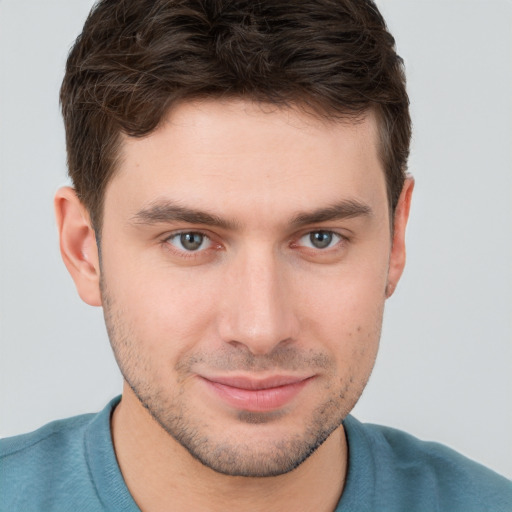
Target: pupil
x,y
191,241
321,239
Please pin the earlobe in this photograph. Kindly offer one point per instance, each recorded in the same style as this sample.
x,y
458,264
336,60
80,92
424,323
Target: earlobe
x,y
401,216
78,245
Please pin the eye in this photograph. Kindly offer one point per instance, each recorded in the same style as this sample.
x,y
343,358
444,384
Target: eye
x,y
189,241
320,239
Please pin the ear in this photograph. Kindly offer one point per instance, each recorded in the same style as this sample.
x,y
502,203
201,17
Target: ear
x,y
78,245
397,257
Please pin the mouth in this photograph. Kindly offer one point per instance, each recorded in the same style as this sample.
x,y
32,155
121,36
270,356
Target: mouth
x,y
257,395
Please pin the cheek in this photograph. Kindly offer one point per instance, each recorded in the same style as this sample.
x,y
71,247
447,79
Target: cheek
x,y
347,298
347,316
166,313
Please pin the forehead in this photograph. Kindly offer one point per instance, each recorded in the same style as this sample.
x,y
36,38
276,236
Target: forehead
x,y
239,155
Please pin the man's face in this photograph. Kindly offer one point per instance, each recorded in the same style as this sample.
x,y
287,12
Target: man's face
x,y
245,254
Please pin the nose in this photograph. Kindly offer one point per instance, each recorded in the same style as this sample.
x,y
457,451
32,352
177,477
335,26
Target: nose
x,y
258,309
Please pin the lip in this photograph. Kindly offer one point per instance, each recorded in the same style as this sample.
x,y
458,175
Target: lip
x,y
257,395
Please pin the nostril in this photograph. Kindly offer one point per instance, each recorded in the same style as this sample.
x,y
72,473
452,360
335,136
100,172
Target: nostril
x,y
236,344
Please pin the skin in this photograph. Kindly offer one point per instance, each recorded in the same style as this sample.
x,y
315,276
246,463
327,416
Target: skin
x,y
256,299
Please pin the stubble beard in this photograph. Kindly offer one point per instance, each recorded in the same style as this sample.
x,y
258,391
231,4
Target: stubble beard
x,y
225,455
235,458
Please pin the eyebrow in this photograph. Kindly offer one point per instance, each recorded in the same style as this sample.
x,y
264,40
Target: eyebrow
x,y
168,211
345,209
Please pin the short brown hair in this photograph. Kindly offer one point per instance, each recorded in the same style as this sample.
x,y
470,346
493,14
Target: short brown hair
x,y
136,58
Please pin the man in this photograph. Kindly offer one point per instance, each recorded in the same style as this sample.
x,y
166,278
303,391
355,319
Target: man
x,y
239,211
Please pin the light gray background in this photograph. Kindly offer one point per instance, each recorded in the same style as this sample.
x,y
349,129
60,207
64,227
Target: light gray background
x,y
445,367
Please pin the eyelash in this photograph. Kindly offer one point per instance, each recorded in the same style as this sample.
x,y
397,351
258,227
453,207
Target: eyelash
x,y
167,242
332,234
183,253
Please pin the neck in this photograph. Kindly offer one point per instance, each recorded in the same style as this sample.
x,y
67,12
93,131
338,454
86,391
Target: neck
x,y
158,471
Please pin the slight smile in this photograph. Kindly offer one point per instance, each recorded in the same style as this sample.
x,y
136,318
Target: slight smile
x,y
257,395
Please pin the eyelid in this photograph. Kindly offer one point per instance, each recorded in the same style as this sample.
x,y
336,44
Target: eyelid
x,y
170,234
165,241
205,240
309,231
215,244
340,242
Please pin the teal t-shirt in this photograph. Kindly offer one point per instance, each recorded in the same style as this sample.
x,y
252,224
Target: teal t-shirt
x,y
70,466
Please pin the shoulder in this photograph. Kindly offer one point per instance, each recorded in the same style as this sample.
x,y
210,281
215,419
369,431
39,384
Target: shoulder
x,y
49,469
57,435
425,475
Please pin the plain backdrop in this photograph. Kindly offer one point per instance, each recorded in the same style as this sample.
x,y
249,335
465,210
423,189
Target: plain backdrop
x,y
445,368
